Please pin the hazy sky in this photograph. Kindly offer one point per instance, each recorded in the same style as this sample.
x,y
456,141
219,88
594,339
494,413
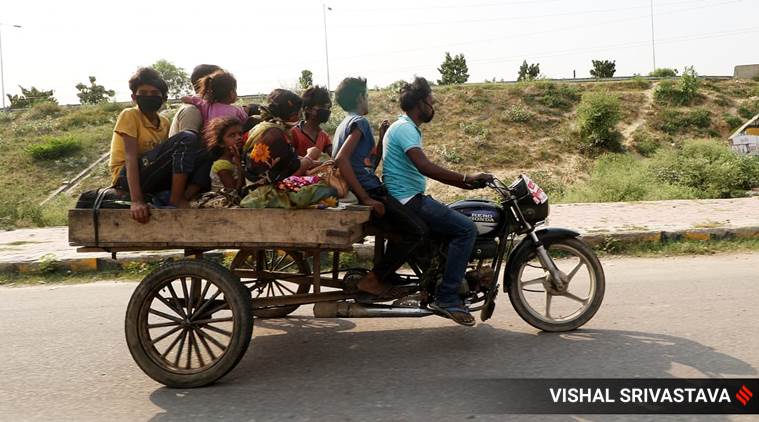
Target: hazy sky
x,y
267,43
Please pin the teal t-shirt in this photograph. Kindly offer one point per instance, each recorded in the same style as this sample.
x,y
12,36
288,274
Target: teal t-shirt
x,y
401,177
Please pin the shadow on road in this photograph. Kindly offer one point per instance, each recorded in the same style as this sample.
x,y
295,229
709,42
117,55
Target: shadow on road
x,y
318,368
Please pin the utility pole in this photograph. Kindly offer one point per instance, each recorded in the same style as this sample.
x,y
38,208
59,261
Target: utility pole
x,y
2,76
653,40
326,49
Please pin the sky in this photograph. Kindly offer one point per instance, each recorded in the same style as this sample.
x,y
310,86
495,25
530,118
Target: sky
x,y
267,44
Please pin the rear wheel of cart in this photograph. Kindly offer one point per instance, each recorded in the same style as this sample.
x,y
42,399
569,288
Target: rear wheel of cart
x,y
189,323
271,273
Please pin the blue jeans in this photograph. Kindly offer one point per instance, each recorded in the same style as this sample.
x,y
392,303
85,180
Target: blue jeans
x,y
460,233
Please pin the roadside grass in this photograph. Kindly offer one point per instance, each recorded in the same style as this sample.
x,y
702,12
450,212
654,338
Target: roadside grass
x,y
680,247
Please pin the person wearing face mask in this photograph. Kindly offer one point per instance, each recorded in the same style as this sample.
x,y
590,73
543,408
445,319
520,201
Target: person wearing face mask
x,y
405,172
354,155
317,107
144,160
269,155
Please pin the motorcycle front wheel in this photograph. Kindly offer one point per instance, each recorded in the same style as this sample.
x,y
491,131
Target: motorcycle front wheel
x,y
539,303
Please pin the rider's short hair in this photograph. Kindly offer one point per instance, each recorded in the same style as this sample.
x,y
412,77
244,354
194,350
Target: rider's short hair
x,y
315,96
148,76
349,91
412,93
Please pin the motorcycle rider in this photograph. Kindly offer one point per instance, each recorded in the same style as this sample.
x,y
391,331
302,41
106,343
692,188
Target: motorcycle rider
x,y
405,172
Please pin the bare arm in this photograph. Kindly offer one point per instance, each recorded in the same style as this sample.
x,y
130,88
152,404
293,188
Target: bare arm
x,y
441,174
140,211
343,163
187,99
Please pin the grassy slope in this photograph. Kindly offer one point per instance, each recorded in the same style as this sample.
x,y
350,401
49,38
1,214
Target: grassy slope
x,y
501,128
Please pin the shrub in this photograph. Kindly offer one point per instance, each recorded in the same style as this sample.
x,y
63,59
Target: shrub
x,y
52,148
723,101
553,95
44,109
597,116
673,121
639,82
749,109
622,177
87,116
683,92
663,72
6,117
518,114
733,122
645,143
709,167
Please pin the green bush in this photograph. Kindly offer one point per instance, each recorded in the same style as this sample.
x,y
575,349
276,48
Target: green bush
x,y
6,117
683,92
734,122
709,167
44,109
518,114
553,95
597,117
622,177
749,109
663,72
673,121
52,148
639,82
87,115
645,143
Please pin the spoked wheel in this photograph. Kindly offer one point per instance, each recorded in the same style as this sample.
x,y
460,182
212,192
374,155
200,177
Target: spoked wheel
x,y
273,273
189,323
547,308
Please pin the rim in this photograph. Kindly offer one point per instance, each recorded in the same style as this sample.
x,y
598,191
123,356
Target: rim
x,y
186,325
549,305
279,268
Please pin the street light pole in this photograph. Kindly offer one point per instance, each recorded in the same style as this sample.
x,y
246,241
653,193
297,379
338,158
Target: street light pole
x,y
653,42
2,75
326,49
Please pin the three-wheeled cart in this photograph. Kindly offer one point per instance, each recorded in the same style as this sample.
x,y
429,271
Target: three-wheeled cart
x,y
190,321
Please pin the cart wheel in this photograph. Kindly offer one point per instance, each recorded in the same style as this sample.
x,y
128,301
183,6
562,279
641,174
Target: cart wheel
x,y
188,323
279,267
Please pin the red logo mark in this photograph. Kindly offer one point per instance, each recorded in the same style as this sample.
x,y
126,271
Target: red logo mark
x,y
744,395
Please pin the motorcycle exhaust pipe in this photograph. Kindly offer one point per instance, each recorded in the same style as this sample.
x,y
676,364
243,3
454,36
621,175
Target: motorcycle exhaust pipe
x,y
357,310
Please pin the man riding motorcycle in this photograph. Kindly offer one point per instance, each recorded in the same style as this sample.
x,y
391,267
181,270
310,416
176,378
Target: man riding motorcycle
x,y
405,172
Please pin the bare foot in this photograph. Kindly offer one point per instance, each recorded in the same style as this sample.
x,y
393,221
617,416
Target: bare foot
x,y
182,203
370,283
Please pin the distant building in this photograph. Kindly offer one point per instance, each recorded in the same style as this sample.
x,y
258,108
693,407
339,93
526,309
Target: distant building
x,y
746,71
745,140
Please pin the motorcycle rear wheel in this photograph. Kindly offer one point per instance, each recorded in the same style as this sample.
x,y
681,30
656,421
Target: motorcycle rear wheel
x,y
581,271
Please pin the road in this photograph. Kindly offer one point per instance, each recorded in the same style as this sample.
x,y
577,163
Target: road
x,y
64,355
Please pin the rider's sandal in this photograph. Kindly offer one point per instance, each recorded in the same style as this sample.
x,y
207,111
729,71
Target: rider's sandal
x,y
454,313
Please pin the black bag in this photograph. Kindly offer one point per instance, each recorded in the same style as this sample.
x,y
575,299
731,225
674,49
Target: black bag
x,y
103,198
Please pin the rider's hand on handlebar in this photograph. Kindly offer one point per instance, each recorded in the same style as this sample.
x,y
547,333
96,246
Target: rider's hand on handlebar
x,y
478,180
377,206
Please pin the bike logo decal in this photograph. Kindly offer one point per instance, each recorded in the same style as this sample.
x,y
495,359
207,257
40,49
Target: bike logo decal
x,y
482,217
744,395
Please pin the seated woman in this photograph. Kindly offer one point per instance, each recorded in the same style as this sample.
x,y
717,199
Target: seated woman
x,y
269,154
144,160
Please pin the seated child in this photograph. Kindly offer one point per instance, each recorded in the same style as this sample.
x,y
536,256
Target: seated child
x,y
216,94
222,136
317,108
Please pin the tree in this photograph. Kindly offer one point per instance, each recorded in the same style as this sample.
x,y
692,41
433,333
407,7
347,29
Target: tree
x,y
453,70
306,79
603,68
528,72
175,76
93,94
30,97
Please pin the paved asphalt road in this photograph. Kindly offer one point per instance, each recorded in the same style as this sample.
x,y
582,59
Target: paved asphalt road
x,y
64,355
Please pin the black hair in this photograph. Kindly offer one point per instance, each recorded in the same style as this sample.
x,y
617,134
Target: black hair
x,y
315,95
217,86
148,76
412,93
201,71
283,103
349,91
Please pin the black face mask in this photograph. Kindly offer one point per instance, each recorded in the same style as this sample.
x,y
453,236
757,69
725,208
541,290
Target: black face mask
x,y
149,103
427,117
322,115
